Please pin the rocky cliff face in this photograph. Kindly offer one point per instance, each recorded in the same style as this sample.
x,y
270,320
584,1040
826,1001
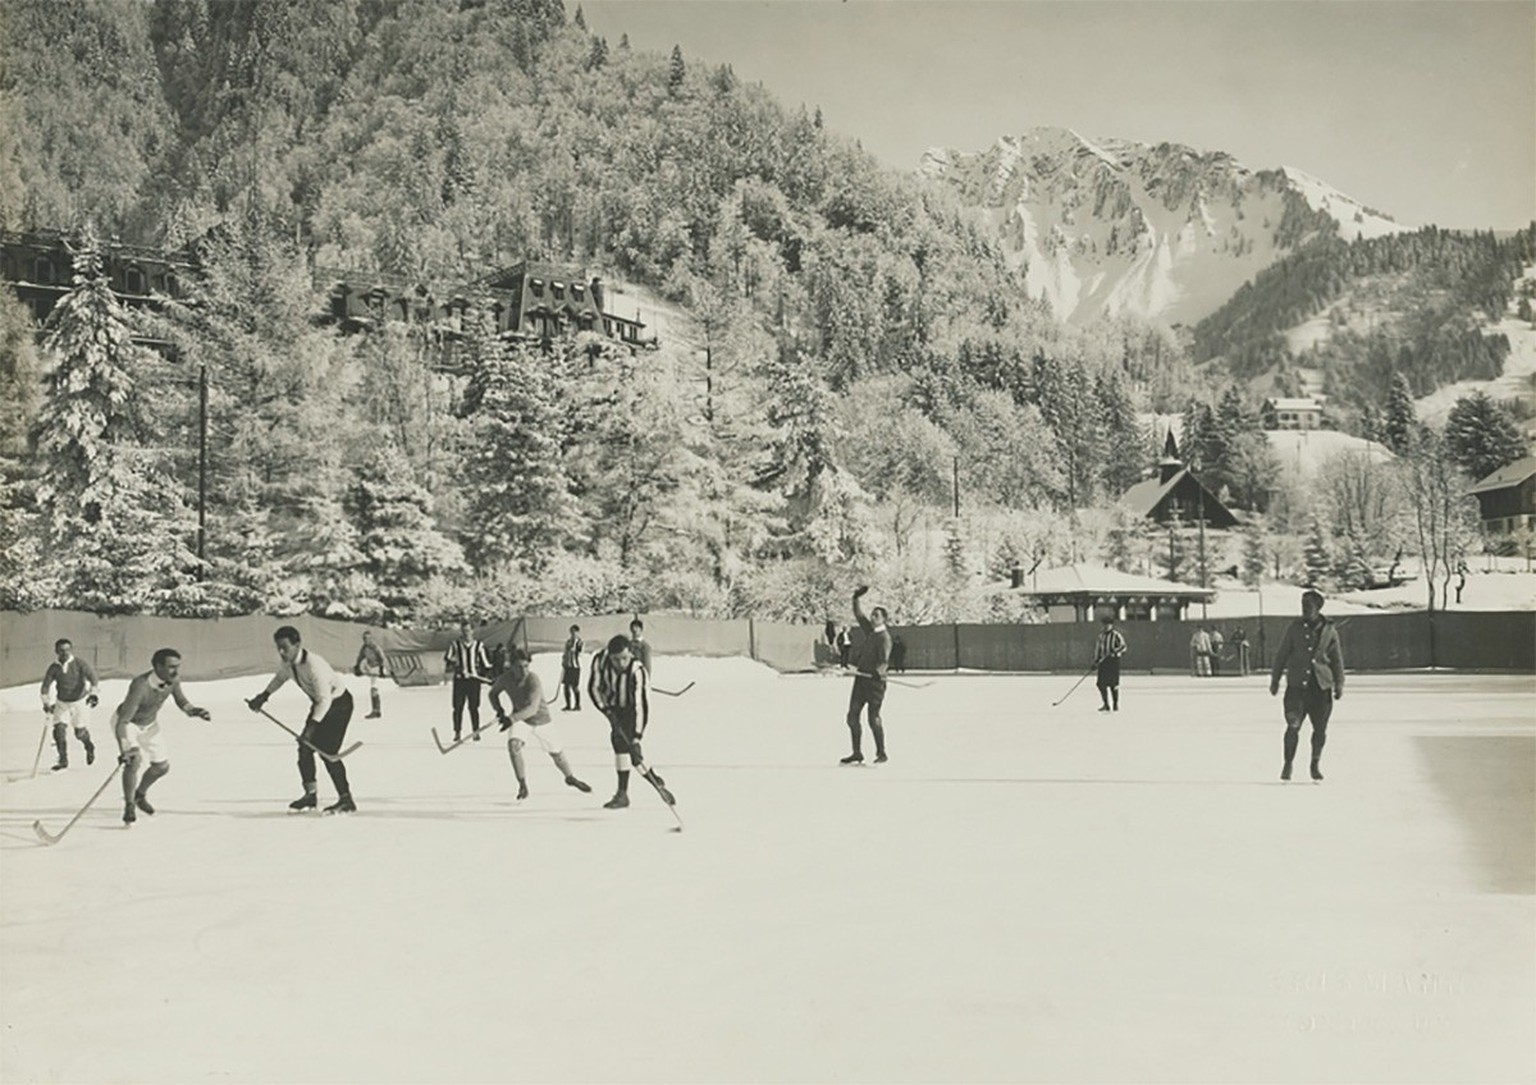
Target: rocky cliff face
x,y
1164,231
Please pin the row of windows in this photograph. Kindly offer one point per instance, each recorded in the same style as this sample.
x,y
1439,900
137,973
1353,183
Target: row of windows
x,y
126,279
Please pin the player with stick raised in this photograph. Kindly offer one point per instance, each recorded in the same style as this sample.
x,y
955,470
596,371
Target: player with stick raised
x,y
871,657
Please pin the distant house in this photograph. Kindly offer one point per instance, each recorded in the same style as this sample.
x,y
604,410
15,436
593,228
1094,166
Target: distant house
x,y
1085,592
1507,498
1304,413
529,301
1175,492
39,268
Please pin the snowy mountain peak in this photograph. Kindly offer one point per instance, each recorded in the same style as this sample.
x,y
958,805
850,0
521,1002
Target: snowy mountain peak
x,y
1162,231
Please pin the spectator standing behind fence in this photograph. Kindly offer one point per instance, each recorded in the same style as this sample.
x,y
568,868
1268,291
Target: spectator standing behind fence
x,y
370,662
70,691
1240,649
898,654
640,646
1200,652
1107,651
843,644
1218,642
570,670
467,661
1311,658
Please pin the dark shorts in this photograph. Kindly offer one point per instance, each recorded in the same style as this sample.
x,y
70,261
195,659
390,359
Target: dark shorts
x,y
1109,673
1307,701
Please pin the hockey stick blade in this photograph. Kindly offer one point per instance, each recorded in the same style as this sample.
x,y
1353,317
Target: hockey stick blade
x,y
44,835
456,743
674,692
50,838
332,757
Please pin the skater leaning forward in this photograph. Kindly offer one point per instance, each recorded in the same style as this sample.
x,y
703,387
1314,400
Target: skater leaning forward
x,y
137,728
70,691
871,657
330,710
530,720
1312,661
620,689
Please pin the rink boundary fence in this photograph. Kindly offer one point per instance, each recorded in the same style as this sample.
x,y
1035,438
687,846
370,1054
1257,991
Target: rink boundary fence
x,y
120,646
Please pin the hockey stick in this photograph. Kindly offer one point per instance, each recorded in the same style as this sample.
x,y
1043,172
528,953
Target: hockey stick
x,y
1079,682
49,838
895,681
328,756
41,742
456,743
673,692
667,798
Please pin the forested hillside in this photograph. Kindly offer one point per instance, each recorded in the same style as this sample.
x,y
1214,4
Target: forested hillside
x,y
1414,304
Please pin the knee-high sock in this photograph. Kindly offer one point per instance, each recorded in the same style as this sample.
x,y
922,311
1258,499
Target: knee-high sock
x,y
1114,692
373,699
84,737
878,730
1292,736
338,774
856,733
60,739
517,764
562,764
1319,737
153,773
131,776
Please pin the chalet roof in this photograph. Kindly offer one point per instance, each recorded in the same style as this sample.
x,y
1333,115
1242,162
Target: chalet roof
x,y
1511,474
1306,404
1087,579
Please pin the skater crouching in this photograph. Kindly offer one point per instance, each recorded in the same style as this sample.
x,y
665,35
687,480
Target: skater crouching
x,y
137,728
529,722
871,659
1312,660
330,710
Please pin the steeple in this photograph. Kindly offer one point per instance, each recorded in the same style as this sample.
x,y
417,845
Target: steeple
x,y
1170,464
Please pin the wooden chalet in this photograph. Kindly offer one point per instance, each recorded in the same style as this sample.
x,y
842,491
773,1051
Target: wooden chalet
x,y
1506,499
530,301
39,268
1175,492
1295,413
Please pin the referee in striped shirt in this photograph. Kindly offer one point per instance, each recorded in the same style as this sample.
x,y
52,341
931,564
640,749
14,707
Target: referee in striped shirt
x,y
470,666
1106,657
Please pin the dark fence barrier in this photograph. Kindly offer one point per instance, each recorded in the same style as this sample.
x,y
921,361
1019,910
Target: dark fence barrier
x,y
120,647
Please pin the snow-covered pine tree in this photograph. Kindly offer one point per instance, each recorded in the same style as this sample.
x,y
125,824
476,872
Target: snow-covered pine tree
x,y
116,522
1314,556
1481,436
397,535
1400,421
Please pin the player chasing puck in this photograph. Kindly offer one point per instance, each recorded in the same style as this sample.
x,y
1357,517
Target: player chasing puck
x,y
1312,660
529,721
330,710
618,687
137,728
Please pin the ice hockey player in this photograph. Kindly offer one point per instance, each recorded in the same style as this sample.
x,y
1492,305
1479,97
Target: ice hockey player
x,y
529,720
619,688
570,670
1312,660
640,646
871,657
70,691
1107,651
467,661
370,662
330,710
137,728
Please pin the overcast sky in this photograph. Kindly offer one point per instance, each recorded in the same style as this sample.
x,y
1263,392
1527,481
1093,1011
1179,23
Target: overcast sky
x,y
1425,110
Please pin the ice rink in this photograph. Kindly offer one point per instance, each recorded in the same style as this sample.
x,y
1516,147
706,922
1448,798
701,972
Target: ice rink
x,y
1024,893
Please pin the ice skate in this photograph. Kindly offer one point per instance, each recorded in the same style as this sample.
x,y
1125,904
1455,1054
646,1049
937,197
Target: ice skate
x,y
852,759
60,764
142,803
129,817
618,802
1104,708
880,758
343,805
579,785
304,802
1285,772
1317,773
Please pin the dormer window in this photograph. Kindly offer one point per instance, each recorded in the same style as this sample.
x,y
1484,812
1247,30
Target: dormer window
x,y
558,289
133,280
577,291
536,285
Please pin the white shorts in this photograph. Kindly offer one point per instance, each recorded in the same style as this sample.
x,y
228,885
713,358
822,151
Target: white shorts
x,y
147,740
547,735
76,714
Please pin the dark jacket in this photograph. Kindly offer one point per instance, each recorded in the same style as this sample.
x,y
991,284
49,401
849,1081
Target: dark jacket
x,y
1310,648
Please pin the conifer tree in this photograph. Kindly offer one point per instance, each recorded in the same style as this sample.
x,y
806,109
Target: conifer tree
x,y
116,522
401,546
1314,556
1400,421
1480,435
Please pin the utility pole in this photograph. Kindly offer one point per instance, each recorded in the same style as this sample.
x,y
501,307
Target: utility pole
x,y
202,464
957,486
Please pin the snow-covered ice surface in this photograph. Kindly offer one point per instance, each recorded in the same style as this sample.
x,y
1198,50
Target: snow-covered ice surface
x,y
1024,893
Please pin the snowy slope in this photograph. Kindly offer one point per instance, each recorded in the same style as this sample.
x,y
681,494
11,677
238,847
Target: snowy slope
x,y
1518,381
1160,231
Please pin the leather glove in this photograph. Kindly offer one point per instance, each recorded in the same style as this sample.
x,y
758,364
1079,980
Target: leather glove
x,y
505,720
200,713
91,700
258,702
358,670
